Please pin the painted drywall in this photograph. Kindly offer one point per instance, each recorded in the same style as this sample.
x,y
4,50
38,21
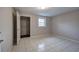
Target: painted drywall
x,y
6,28
38,31
23,27
66,25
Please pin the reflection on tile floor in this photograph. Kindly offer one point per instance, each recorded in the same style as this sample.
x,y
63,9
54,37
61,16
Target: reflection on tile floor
x,y
47,44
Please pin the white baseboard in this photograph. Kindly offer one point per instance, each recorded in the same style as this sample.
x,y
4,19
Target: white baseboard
x,y
40,36
68,38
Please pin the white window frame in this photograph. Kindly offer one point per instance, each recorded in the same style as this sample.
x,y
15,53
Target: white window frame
x,y
43,22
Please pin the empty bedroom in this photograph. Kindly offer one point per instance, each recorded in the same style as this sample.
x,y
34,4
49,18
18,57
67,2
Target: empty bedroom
x,y
39,29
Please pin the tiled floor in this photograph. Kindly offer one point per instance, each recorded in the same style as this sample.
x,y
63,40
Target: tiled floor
x,y
47,44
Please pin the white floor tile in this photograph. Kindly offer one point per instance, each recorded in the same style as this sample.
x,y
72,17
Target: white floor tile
x,y
47,44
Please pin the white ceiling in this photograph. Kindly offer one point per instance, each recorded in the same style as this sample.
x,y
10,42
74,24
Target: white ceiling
x,y
51,11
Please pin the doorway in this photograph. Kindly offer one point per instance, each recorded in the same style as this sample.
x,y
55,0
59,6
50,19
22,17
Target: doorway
x,y
25,26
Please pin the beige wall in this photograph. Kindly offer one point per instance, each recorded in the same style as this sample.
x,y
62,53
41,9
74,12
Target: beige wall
x,y
23,27
38,31
67,25
6,27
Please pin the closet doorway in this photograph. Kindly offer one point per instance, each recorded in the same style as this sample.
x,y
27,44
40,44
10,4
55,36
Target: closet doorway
x,y
25,26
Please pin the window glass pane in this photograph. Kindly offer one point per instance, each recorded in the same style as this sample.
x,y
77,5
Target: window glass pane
x,y
41,22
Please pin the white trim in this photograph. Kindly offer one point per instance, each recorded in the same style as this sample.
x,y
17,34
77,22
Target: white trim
x,y
40,36
67,38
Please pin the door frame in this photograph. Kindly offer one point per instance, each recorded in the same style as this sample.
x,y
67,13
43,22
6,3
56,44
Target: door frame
x,y
14,28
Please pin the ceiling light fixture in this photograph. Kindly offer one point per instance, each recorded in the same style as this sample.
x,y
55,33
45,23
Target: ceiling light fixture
x,y
43,7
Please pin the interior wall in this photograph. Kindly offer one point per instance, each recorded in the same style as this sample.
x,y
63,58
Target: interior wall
x,y
23,27
38,31
6,28
66,25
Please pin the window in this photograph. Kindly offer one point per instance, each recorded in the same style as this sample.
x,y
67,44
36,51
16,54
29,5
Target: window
x,y
41,22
